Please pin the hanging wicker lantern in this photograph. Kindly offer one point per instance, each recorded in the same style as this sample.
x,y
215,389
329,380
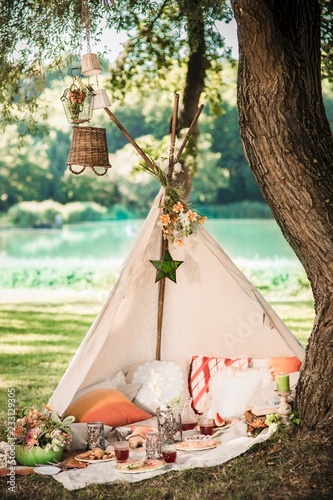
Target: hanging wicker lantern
x,y
89,148
77,102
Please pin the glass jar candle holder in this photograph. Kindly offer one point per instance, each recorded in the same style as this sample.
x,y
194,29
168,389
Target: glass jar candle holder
x,y
95,435
153,445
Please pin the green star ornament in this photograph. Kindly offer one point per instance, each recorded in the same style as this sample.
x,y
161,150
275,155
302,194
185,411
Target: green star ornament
x,y
166,268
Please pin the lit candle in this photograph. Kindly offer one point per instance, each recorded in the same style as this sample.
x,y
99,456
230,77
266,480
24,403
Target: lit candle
x,y
282,383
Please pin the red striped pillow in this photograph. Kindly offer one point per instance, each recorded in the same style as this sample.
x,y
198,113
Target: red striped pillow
x,y
202,369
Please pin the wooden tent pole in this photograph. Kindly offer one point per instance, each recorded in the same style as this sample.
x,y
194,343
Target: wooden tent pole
x,y
164,243
160,305
189,132
173,136
131,140
136,146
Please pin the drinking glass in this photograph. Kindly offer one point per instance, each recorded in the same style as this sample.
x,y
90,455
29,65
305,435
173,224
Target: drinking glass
x,y
169,452
206,426
121,450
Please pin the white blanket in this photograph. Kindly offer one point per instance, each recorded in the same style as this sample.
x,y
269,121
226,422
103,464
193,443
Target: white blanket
x,y
234,442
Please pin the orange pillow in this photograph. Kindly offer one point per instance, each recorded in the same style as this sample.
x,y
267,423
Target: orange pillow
x,y
109,406
284,365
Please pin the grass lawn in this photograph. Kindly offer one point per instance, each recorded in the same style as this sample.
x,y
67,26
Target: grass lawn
x,y
38,339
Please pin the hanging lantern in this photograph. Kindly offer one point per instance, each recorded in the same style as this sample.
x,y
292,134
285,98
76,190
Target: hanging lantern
x,y
90,65
101,99
89,148
77,102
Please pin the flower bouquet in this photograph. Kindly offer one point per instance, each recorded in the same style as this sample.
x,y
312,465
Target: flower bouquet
x,y
177,220
41,436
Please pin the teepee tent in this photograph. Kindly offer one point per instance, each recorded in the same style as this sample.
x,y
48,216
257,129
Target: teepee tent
x,y
212,310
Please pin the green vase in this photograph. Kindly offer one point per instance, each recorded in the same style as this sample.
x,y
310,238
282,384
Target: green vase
x,y
36,455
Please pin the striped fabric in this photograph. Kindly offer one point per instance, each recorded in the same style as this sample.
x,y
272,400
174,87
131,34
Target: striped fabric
x,y
202,369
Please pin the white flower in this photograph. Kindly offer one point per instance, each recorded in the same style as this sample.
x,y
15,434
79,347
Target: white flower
x,y
183,218
273,428
175,404
178,143
56,433
177,168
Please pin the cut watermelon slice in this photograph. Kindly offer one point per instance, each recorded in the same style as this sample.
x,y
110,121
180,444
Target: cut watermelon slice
x,y
219,421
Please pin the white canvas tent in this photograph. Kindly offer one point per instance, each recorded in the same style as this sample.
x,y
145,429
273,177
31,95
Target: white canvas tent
x,y
212,310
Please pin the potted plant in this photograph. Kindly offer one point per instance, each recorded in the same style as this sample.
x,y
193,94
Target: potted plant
x,y
41,436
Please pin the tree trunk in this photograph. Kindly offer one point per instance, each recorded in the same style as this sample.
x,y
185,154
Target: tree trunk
x,y
288,144
194,86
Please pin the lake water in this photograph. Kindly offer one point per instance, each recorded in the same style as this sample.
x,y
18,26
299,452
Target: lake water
x,y
242,239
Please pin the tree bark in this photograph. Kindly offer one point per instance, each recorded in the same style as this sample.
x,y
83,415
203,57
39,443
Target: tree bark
x,y
288,144
194,86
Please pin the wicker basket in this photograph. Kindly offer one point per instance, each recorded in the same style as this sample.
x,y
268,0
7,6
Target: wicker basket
x,y
89,148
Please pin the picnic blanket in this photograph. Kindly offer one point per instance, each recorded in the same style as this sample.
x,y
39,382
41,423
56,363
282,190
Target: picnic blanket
x,y
234,441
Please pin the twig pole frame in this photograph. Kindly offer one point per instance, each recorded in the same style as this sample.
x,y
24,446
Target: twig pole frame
x,y
136,146
164,243
189,132
160,304
173,136
143,155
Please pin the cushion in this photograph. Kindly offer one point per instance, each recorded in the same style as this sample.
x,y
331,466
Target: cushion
x,y
109,406
161,381
130,390
117,382
284,365
280,364
202,369
231,391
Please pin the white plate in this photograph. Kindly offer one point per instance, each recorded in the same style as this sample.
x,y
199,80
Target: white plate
x,y
94,461
148,465
228,423
47,470
197,445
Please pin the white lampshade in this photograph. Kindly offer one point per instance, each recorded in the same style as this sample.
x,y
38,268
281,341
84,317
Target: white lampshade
x,y
90,65
101,99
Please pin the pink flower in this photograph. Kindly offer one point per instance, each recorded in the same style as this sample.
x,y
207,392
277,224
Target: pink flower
x,y
31,439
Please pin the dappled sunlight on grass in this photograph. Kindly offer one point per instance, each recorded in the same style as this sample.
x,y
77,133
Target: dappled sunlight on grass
x,y
298,316
37,338
37,344
25,349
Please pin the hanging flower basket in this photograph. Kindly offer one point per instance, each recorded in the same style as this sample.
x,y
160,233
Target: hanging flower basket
x,y
77,102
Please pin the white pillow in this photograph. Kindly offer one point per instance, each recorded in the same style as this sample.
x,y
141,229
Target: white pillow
x,y
161,381
117,382
231,391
